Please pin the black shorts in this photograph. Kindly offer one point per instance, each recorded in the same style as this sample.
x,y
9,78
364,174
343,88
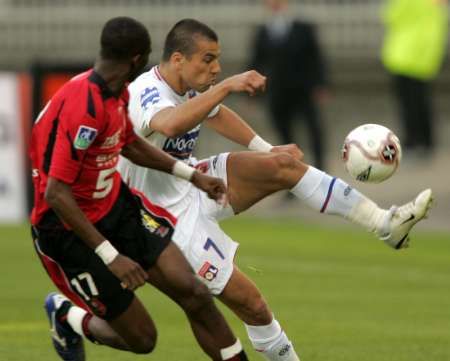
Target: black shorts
x,y
137,229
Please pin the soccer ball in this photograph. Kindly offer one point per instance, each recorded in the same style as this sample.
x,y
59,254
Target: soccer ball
x,y
371,153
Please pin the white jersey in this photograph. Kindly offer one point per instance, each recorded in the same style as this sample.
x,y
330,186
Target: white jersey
x,y
149,94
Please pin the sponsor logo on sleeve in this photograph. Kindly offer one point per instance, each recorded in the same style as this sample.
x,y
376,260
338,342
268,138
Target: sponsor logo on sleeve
x,y
208,271
149,96
85,137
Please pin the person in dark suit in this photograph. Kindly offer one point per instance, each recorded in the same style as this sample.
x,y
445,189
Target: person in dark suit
x,y
287,51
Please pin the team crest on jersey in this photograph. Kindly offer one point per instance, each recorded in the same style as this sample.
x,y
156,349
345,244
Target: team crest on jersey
x,y
149,96
85,137
208,271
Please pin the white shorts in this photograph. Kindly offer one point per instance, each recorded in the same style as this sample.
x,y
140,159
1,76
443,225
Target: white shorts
x,y
209,251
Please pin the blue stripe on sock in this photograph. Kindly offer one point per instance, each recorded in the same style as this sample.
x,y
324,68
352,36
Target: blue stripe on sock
x,y
330,190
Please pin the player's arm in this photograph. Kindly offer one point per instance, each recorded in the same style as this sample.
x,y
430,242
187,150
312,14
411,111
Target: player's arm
x,y
144,154
175,121
59,196
230,125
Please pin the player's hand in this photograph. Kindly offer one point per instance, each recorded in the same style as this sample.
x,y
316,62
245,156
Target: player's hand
x,y
292,149
128,272
214,187
250,82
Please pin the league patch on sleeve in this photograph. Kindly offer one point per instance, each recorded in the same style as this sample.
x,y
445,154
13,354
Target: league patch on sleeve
x,y
149,96
85,137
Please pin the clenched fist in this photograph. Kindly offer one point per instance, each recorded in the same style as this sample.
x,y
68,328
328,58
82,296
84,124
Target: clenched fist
x,y
250,82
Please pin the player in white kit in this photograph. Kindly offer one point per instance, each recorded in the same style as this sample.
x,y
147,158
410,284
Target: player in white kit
x,y
168,105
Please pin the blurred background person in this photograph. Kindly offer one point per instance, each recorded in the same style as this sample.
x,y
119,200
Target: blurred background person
x,y
414,47
287,51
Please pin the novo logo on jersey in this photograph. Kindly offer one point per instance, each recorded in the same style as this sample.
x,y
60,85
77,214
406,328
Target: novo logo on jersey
x,y
149,96
183,146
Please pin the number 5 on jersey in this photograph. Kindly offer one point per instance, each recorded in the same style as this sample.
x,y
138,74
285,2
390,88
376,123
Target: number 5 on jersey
x,y
104,183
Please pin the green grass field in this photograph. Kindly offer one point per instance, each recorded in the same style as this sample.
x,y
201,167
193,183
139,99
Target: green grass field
x,y
340,295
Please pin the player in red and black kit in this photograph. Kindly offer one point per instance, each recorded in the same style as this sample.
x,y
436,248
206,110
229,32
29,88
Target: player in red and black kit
x,y
97,239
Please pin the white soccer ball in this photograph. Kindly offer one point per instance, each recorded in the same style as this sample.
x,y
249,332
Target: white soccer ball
x,y
371,153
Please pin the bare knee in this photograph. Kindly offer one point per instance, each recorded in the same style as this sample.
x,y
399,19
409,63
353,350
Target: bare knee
x,y
197,297
144,341
256,310
285,169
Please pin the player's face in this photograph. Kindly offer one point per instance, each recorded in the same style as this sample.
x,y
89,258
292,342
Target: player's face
x,y
200,71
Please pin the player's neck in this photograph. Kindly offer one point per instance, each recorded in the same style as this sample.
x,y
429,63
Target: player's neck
x,y
115,75
171,77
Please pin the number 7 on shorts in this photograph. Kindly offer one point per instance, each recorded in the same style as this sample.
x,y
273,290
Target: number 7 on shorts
x,y
210,243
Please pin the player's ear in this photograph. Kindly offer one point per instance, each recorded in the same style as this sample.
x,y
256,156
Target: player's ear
x,y
177,59
135,59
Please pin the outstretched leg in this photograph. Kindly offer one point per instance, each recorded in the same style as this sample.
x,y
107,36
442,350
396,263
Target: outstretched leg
x,y
173,276
251,176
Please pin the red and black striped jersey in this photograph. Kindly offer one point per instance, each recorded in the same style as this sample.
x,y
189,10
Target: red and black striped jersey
x,y
77,139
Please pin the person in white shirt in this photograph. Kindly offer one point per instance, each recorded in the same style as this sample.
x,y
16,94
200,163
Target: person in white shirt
x,y
168,105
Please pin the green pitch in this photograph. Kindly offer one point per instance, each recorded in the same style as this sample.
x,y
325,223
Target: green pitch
x,y
340,294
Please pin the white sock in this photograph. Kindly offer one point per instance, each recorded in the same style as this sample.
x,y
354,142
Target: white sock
x,y
331,195
75,318
231,351
272,342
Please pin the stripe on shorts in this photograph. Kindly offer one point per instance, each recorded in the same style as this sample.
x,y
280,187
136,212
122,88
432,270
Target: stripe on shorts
x,y
154,209
59,278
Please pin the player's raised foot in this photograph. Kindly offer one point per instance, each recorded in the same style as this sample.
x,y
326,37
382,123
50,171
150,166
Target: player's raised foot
x,y
402,219
68,344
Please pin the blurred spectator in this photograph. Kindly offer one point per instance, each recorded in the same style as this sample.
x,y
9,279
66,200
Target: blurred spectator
x,y
413,50
287,51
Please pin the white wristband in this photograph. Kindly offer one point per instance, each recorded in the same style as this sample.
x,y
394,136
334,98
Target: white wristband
x,y
182,170
106,252
260,145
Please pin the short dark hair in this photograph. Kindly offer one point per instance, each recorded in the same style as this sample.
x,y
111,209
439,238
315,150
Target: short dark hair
x,y
181,37
123,37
